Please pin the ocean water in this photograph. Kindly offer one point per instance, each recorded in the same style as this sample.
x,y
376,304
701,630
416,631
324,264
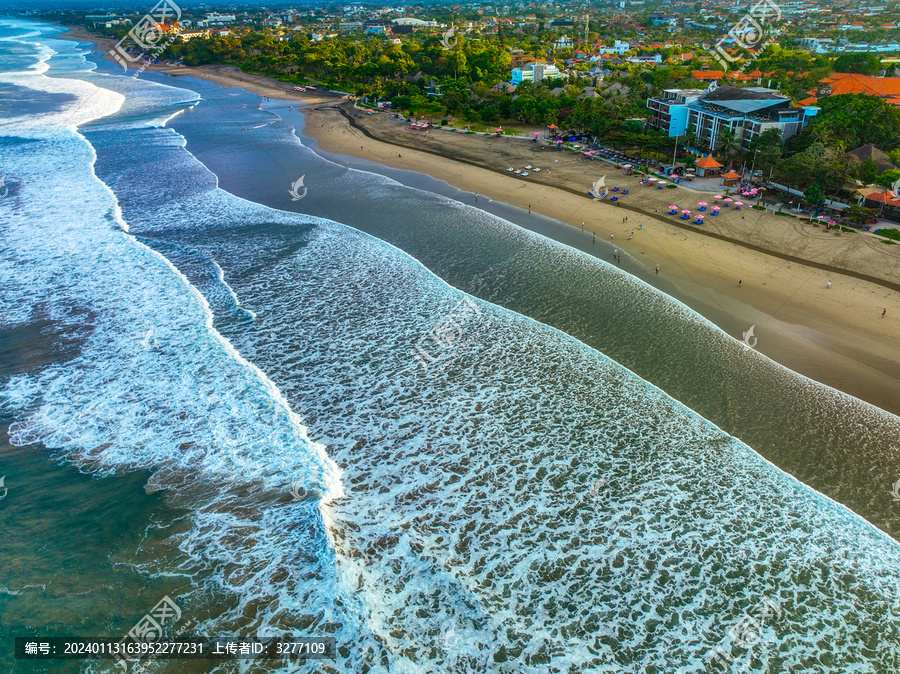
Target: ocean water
x,y
360,420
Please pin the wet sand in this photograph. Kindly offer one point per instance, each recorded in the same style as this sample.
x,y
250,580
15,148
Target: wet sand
x,y
835,335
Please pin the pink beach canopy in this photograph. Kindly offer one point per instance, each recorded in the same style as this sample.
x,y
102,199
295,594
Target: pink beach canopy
x,y
673,207
727,201
715,208
718,196
686,212
699,217
702,203
738,203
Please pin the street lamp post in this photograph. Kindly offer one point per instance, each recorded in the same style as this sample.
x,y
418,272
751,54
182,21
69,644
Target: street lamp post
x,y
753,165
675,153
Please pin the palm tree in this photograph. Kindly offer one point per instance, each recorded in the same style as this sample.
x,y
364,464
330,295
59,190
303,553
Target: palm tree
x,y
690,136
727,144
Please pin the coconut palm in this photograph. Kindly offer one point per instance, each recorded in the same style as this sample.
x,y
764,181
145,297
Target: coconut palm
x,y
728,144
690,136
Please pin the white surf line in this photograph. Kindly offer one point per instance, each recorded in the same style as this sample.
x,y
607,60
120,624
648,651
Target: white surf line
x,y
691,314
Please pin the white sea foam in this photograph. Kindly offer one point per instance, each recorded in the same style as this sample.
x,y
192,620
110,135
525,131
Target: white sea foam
x,y
472,535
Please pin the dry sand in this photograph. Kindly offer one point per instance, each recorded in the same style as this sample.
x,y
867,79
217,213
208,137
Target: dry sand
x,y
836,336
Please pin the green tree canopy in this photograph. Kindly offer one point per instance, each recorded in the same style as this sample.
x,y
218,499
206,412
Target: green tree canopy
x,y
854,119
864,64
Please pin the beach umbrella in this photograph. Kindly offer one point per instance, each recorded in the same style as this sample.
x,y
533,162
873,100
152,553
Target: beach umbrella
x,y
738,203
699,217
537,133
728,201
673,207
718,196
703,203
651,180
685,212
715,208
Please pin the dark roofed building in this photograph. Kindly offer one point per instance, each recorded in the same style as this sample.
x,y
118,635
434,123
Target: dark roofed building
x,y
748,112
865,152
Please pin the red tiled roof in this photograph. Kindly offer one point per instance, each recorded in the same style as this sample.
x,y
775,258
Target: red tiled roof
x,y
852,83
707,74
812,100
708,162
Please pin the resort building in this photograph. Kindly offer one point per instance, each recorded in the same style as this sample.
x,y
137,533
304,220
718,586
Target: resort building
x,y
533,73
748,112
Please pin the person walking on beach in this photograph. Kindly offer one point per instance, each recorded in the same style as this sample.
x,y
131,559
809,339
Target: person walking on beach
x,y
740,282
593,237
529,209
611,237
829,285
883,312
476,197
657,269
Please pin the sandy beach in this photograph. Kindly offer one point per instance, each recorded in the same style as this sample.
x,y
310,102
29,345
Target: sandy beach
x,y
741,269
835,335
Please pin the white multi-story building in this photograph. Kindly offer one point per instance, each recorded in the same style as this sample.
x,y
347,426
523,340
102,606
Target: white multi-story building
x,y
748,112
534,73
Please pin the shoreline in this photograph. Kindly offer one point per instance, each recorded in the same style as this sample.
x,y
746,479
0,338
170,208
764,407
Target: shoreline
x,y
818,332
800,323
